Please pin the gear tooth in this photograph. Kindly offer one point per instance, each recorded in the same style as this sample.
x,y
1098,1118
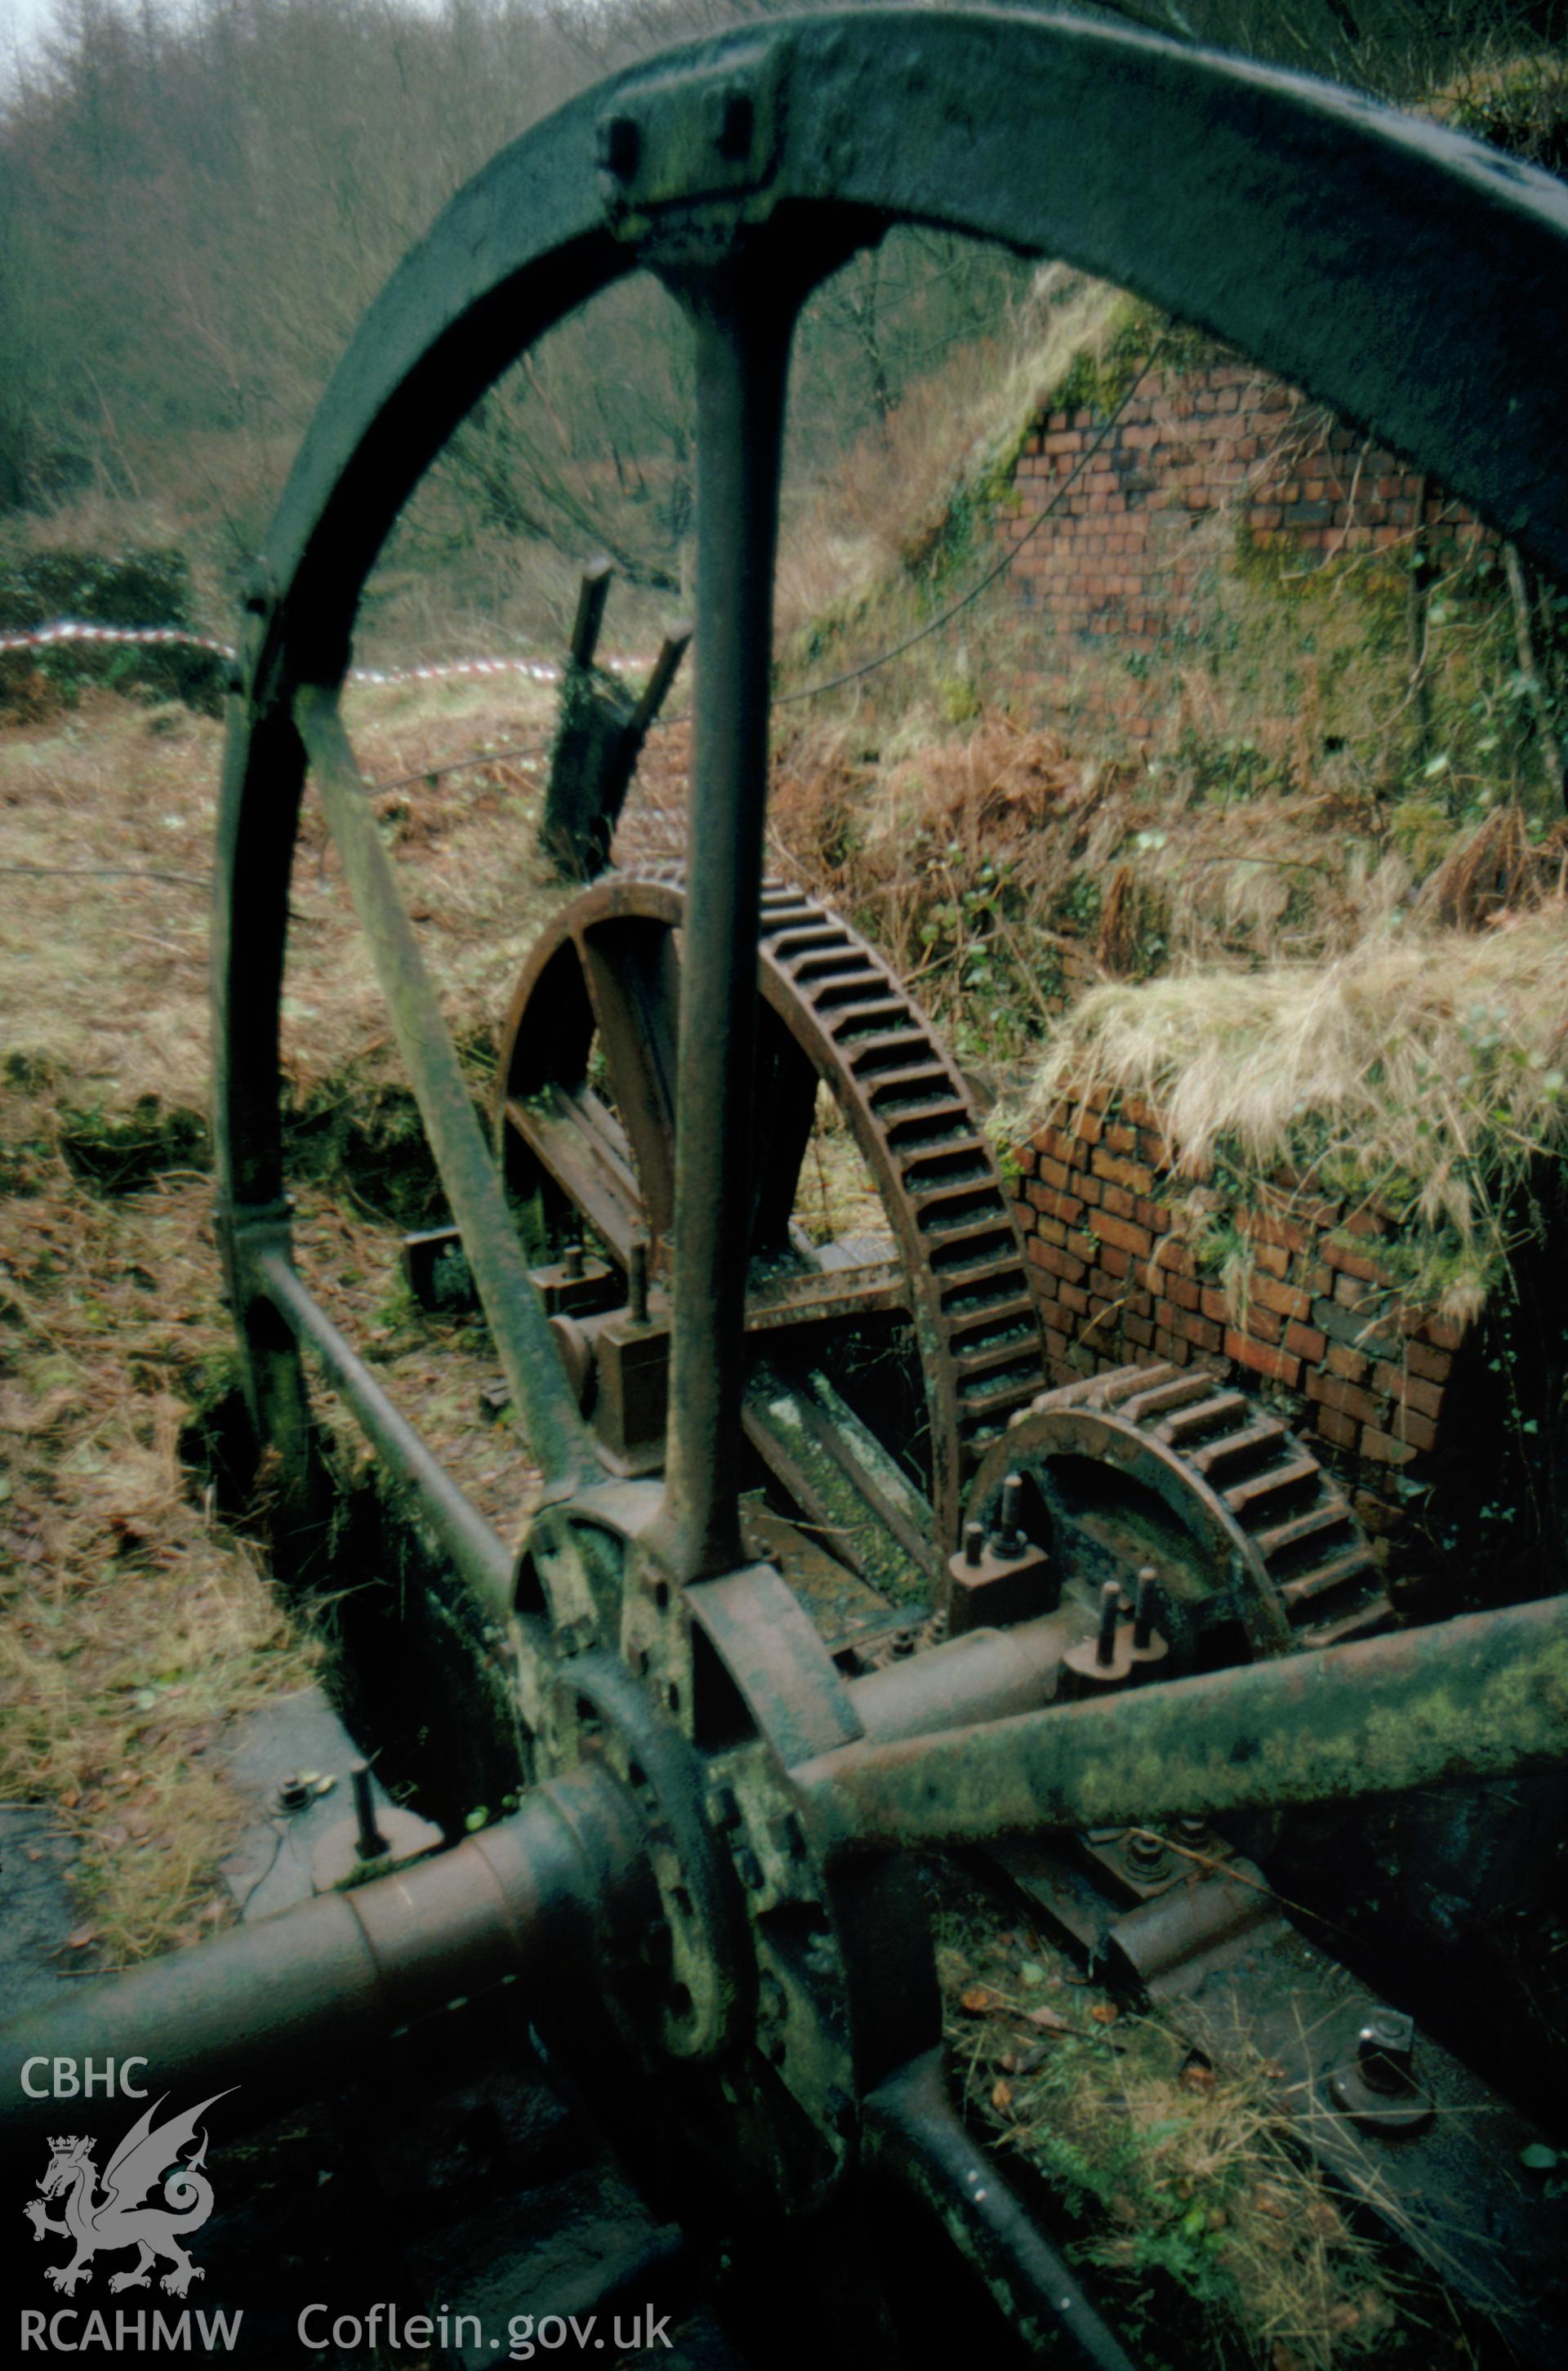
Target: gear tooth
x,y
1306,1589
1125,1387
1373,1614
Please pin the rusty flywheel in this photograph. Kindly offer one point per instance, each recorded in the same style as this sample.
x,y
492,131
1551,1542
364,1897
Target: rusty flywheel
x,y
585,1113
710,1889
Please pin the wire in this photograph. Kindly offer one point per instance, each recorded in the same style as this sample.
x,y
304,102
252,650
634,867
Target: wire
x,y
934,625
459,765
110,872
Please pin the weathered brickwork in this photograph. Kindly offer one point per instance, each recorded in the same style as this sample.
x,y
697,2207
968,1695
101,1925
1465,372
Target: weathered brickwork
x,y
1317,1326
1117,570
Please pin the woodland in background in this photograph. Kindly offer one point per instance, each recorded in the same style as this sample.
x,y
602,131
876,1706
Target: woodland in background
x,y
198,202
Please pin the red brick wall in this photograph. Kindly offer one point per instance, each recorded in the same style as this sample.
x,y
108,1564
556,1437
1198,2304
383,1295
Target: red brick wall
x,y
1320,1327
1116,570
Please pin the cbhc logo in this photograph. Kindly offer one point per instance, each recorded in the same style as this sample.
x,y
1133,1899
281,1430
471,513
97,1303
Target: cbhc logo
x,y
63,2081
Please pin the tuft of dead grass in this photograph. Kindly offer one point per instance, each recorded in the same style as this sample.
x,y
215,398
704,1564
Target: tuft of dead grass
x,y
1185,2180
1489,871
1425,1071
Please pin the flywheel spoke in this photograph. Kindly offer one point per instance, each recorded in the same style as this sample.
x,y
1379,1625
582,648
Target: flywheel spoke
x,y
632,975
743,326
555,1433
1470,1698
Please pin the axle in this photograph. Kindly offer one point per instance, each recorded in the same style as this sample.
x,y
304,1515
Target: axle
x,y
1459,1700
294,2005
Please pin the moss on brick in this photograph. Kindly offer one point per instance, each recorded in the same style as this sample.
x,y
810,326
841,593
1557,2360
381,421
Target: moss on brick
x,y
1104,370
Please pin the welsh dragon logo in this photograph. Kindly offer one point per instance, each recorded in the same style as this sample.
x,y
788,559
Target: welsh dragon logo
x,y
119,2219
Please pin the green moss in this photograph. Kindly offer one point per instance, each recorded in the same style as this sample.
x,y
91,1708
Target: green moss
x,y
1077,904
1101,372
959,700
1378,586
1422,831
119,1154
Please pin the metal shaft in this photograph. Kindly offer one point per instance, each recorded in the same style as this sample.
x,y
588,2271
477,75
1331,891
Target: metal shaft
x,y
295,2003
1466,1699
743,326
984,1675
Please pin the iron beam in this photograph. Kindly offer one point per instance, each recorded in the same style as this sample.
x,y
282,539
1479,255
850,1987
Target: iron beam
x,y
560,1439
1472,1699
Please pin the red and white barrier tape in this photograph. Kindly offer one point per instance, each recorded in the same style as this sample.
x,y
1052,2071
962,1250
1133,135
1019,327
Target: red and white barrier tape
x,y
69,631
165,637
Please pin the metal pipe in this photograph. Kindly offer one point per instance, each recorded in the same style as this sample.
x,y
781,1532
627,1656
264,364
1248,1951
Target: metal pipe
x,y
480,1553
743,322
369,1842
1472,1699
282,2009
556,1435
984,1675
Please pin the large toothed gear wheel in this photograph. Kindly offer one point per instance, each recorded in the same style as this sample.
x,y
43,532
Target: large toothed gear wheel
x,y
1254,1547
585,1108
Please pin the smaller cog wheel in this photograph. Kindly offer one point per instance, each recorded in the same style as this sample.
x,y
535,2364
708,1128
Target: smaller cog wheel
x,y
1168,1466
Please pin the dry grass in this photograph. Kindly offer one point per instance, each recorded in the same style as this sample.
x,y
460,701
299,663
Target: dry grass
x,y
136,1621
1185,2183
876,514
1426,1071
863,818
997,866
135,1624
108,978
